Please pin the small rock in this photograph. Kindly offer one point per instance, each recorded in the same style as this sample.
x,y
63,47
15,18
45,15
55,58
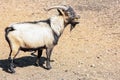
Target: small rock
x,y
87,75
79,66
66,70
115,53
81,63
62,79
93,65
98,57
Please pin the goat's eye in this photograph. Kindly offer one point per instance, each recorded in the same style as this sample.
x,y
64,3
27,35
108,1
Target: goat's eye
x,y
68,12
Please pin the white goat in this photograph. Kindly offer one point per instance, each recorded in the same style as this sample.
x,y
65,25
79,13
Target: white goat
x,y
39,35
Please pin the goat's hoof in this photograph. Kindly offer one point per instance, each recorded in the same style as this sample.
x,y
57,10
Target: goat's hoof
x,y
37,64
11,70
48,67
14,66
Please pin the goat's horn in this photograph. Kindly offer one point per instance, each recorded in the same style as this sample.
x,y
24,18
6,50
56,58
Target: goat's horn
x,y
58,7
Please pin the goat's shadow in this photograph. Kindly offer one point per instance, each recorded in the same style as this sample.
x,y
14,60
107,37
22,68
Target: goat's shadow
x,y
22,62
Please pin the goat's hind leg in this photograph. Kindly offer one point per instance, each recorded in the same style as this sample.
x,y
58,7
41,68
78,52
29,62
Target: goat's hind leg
x,y
11,65
11,58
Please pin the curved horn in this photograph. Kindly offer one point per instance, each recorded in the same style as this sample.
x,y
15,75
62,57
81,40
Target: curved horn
x,y
58,7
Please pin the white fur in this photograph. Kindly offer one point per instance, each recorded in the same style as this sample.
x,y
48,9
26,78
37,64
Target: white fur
x,y
30,35
57,24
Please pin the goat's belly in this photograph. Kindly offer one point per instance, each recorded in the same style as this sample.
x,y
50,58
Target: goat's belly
x,y
32,44
37,42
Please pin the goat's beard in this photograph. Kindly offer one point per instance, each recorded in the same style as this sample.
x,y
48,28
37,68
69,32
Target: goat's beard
x,y
73,24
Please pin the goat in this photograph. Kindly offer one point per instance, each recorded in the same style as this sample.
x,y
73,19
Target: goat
x,y
39,35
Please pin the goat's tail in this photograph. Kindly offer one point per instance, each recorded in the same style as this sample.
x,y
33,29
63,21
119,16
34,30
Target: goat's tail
x,y
8,29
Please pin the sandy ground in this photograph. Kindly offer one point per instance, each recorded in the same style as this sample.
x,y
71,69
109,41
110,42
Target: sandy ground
x,y
90,52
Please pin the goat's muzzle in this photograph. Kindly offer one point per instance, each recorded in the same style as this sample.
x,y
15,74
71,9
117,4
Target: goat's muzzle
x,y
74,22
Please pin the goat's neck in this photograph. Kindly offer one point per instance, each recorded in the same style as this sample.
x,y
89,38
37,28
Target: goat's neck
x,y
57,24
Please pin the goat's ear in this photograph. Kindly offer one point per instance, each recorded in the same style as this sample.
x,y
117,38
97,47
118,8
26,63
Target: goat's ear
x,y
59,11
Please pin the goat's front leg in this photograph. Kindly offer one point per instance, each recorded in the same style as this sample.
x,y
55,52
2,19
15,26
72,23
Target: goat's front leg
x,y
48,53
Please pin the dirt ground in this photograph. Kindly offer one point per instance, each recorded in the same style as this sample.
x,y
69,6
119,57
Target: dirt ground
x,y
91,51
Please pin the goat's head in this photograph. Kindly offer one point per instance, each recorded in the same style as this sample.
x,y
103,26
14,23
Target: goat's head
x,y
68,13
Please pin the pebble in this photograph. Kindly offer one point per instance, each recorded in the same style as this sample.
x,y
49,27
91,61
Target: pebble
x,y
66,70
92,65
79,66
98,57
